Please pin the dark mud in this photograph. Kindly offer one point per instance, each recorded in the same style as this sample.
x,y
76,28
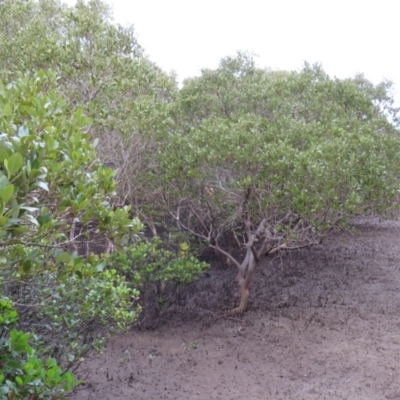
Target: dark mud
x,y
324,323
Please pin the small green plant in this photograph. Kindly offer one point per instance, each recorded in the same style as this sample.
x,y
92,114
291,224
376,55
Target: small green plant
x,y
161,275
23,374
190,346
149,261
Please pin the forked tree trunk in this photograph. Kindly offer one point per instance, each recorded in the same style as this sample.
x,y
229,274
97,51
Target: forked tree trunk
x,y
244,277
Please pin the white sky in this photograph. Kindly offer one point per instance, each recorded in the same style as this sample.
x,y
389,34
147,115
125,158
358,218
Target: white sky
x,y
346,36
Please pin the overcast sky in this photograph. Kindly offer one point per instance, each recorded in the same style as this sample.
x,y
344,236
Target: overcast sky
x,y
347,37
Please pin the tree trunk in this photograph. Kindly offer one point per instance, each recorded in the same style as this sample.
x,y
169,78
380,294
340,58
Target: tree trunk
x,y
244,277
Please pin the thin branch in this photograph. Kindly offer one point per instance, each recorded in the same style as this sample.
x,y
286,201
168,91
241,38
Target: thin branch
x,y
225,253
286,247
188,229
4,244
27,305
219,185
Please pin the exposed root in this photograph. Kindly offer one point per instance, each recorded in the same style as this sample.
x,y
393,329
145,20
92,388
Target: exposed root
x,y
244,302
236,311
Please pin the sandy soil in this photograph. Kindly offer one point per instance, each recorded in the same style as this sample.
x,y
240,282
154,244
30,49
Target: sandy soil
x,y
323,323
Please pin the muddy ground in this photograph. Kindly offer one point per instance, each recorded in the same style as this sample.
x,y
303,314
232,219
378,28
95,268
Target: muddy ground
x,y
323,323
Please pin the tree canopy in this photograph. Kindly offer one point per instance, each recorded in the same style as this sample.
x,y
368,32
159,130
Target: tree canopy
x,y
100,68
276,159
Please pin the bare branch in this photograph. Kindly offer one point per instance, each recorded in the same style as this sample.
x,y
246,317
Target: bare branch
x,y
219,185
199,235
286,247
226,254
276,249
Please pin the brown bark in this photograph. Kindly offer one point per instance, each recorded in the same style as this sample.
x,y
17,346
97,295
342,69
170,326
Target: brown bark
x,y
245,275
244,299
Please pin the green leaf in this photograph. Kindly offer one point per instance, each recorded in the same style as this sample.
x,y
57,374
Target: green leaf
x,y
65,203
7,193
64,257
20,230
36,173
27,265
19,380
36,164
184,246
100,267
14,163
4,182
51,373
3,155
14,208
44,219
80,198
7,110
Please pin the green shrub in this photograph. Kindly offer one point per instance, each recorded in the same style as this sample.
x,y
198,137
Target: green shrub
x,y
23,374
160,274
54,195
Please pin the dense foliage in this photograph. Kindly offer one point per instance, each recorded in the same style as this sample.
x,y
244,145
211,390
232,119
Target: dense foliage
x,y
159,272
100,68
243,160
61,208
50,180
274,160
23,374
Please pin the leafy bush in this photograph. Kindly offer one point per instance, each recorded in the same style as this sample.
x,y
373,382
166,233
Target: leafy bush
x,y
23,375
160,274
148,261
275,159
55,199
